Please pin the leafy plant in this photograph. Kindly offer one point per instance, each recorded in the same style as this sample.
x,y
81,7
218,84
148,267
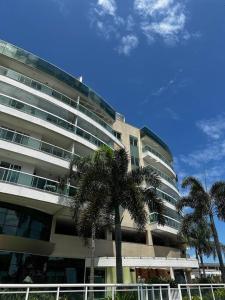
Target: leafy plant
x,y
106,181
162,280
206,204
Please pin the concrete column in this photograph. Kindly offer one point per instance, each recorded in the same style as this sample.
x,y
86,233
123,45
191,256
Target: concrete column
x,y
172,273
187,275
149,238
108,235
53,227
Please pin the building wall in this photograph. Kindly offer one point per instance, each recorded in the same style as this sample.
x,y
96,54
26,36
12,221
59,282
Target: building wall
x,y
46,116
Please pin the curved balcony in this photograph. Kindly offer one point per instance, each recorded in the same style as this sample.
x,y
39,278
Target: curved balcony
x,y
41,114
163,176
36,144
170,222
33,61
36,182
151,153
166,197
55,94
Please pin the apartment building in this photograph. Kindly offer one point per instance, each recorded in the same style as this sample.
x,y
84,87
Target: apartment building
x,y
48,116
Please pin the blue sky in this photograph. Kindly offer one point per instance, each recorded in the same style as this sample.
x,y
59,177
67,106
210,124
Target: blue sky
x,y
159,62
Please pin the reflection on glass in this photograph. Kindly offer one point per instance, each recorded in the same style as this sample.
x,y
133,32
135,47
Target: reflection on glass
x,y
25,222
52,119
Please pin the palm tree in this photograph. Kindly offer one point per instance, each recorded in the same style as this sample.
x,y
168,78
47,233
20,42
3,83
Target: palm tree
x,y
121,190
206,204
198,236
89,220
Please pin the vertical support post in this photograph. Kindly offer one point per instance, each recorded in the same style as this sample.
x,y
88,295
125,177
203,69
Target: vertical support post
x,y
153,293
200,292
146,293
27,293
86,293
57,293
179,290
172,273
212,292
113,293
142,292
169,293
138,291
160,292
189,292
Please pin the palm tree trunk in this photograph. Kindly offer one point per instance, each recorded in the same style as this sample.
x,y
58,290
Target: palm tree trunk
x,y
118,242
218,248
202,264
199,267
92,269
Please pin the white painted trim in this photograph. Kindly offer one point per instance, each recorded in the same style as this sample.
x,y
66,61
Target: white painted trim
x,y
158,159
31,193
146,262
47,125
60,105
35,154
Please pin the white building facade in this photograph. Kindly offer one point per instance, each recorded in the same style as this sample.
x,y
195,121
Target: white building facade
x,y
46,117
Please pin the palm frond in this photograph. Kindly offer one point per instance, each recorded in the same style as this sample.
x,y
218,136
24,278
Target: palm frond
x,y
193,183
155,204
217,193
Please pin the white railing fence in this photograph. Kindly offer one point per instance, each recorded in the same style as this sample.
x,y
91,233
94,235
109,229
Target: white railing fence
x,y
111,292
205,291
84,291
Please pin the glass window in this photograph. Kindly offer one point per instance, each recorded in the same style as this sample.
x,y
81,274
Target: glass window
x,y
25,222
133,141
117,135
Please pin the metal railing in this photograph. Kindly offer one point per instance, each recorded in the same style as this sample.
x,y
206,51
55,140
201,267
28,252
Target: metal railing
x,y
36,182
44,115
112,291
156,153
33,143
84,291
201,291
163,175
55,94
168,220
166,197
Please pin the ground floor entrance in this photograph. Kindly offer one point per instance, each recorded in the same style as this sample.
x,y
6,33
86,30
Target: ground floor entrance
x,y
27,268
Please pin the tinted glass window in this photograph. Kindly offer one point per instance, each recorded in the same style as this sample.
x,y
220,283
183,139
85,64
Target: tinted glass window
x,y
25,222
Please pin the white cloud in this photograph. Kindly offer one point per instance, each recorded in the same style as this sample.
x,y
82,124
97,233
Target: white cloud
x,y
174,82
208,153
206,163
149,7
162,18
213,128
153,19
128,43
106,7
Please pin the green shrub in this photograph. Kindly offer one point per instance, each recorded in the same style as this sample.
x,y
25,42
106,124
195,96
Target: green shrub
x,y
155,280
220,294
124,296
192,298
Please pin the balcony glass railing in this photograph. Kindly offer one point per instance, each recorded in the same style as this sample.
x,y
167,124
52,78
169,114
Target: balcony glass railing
x,y
39,113
30,142
163,175
33,61
168,221
150,149
166,197
53,93
33,181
